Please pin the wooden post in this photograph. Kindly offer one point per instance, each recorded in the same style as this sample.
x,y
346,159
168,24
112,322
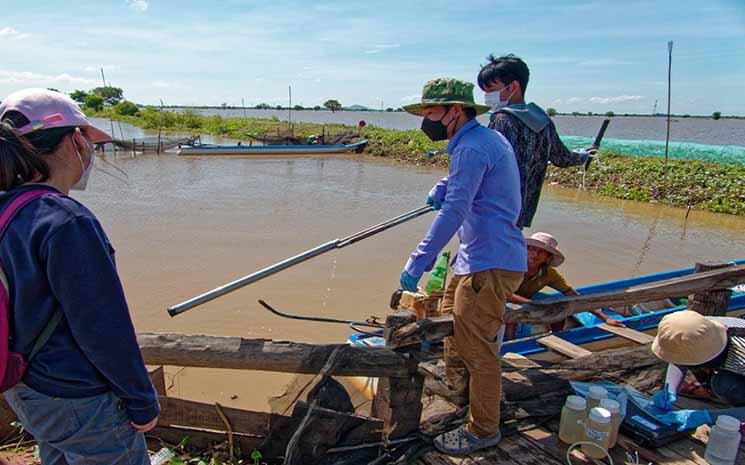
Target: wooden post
x,y
398,400
134,147
714,302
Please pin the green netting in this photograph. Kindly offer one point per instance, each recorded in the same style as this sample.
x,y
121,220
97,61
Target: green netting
x,y
656,148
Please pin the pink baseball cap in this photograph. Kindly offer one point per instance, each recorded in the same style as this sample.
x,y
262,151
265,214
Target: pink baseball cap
x,y
47,109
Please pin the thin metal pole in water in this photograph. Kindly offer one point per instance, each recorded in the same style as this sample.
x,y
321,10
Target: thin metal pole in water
x,y
669,74
160,128
111,120
289,110
244,109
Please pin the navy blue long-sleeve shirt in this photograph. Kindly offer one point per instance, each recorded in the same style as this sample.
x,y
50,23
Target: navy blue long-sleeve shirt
x,y
57,257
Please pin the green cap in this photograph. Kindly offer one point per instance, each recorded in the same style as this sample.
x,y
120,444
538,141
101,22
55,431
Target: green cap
x,y
446,91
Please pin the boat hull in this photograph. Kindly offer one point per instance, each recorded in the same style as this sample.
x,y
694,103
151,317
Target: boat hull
x,y
272,150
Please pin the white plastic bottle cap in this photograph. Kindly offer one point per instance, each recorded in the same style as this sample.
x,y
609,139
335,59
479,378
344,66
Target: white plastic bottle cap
x,y
600,415
611,405
728,423
576,403
597,392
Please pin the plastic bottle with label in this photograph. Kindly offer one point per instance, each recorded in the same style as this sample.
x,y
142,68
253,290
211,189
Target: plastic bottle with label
x,y
724,441
597,432
436,281
615,411
594,396
573,415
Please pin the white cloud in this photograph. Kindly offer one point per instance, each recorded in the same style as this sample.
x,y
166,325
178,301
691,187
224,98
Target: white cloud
x,y
616,99
377,48
138,5
27,77
96,69
604,100
12,33
411,98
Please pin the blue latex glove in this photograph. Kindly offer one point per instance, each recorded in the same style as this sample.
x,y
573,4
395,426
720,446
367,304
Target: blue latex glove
x,y
408,282
664,399
687,419
433,203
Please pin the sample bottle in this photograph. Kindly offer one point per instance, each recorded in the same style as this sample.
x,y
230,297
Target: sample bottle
x,y
724,441
597,432
594,396
436,281
615,419
573,414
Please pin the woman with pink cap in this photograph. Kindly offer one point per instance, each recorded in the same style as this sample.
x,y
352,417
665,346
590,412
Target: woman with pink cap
x,y
85,394
544,257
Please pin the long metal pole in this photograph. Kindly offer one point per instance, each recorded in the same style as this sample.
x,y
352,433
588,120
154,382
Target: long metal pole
x,y
292,261
669,75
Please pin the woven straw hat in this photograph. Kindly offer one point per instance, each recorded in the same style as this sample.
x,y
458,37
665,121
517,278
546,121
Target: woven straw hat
x,y
547,242
687,338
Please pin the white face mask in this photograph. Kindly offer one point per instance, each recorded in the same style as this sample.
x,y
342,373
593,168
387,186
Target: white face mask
x,y
83,181
493,100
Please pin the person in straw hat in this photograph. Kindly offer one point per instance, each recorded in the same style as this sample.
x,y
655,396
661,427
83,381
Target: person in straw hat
x,y
544,257
479,200
712,348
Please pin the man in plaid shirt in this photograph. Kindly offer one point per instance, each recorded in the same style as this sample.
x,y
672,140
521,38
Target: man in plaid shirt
x,y
527,127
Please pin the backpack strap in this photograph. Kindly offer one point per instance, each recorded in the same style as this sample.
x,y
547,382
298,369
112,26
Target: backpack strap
x,y
9,212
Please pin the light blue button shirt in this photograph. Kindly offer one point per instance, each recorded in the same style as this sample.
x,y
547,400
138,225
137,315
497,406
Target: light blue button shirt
x,y
481,204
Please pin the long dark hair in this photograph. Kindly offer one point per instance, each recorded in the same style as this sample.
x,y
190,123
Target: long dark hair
x,y
23,158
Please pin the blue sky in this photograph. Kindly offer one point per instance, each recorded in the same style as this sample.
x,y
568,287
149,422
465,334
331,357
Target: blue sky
x,y
584,55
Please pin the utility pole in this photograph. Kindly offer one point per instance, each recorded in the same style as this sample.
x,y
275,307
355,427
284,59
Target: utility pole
x,y
669,75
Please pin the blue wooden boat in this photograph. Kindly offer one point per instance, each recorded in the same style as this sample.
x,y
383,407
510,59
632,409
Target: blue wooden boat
x,y
273,150
591,337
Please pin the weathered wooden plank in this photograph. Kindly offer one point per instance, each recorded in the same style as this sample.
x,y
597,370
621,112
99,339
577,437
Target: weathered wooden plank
x,y
188,413
563,347
200,439
268,355
628,333
398,400
522,451
158,378
559,308
714,302
518,361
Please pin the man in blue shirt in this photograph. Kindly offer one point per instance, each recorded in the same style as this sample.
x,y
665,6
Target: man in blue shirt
x,y
480,200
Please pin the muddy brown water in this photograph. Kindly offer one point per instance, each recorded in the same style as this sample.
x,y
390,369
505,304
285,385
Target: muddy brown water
x,y
184,225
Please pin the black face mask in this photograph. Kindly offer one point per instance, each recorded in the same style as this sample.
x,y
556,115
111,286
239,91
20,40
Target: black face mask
x,y
435,130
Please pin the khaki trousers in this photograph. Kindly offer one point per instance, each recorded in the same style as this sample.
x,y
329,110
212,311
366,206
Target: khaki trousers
x,y
477,302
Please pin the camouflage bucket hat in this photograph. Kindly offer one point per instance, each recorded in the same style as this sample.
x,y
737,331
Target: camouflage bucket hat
x,y
446,91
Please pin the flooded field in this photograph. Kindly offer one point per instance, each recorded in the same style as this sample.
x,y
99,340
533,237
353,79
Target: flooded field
x,y
700,130
186,225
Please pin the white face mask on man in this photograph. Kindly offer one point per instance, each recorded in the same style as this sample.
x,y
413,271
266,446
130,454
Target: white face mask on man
x,y
494,100
83,181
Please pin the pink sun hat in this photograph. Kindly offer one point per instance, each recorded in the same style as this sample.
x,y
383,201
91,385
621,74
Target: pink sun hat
x,y
47,109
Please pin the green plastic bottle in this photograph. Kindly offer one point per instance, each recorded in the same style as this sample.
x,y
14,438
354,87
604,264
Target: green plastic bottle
x,y
436,281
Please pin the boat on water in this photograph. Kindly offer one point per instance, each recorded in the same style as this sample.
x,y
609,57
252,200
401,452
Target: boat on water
x,y
274,150
592,335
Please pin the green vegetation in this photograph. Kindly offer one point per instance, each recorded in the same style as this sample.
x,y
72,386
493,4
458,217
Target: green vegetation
x,y
610,114
716,187
126,108
332,105
716,115
93,102
551,112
